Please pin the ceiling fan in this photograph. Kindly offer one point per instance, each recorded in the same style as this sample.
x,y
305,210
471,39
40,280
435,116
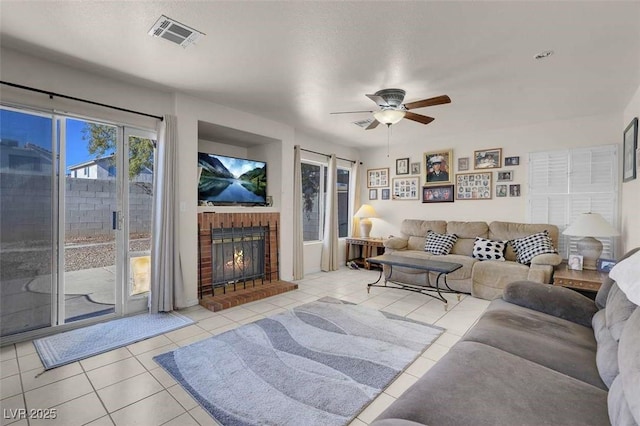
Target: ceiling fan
x,y
392,110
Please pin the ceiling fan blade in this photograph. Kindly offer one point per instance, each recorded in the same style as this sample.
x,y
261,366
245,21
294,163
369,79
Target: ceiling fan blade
x,y
419,118
351,112
373,125
379,100
438,100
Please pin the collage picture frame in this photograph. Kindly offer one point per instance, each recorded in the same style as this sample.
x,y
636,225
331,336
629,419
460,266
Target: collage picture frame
x,y
406,188
378,178
473,186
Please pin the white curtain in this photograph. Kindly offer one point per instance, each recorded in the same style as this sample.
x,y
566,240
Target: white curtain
x,y
298,236
166,272
330,241
354,189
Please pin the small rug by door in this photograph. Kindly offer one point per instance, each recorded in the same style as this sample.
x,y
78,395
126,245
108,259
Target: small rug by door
x,y
70,346
318,364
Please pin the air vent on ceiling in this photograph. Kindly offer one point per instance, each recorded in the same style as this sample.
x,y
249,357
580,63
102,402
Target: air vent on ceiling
x,y
175,32
364,123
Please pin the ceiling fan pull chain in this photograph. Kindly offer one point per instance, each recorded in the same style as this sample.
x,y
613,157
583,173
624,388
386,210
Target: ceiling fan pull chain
x,y
388,136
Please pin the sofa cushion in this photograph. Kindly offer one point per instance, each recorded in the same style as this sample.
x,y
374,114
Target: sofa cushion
x,y
626,273
475,384
505,231
420,228
467,233
439,244
603,293
531,246
607,352
555,343
618,311
462,273
557,301
619,412
629,361
491,277
484,249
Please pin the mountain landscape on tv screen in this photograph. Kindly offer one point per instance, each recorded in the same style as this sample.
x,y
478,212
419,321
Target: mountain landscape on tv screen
x,y
239,182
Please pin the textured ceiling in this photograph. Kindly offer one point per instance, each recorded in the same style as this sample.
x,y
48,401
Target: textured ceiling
x,y
295,62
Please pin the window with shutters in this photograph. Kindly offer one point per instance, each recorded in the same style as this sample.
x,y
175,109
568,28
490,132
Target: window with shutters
x,y
566,183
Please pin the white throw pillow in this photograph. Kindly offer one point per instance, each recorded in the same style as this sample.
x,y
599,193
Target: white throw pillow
x,y
484,249
627,275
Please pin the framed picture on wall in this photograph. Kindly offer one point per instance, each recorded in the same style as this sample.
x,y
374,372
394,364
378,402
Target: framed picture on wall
x,y
377,178
512,161
487,158
405,188
402,166
501,191
473,186
463,164
415,168
373,194
505,176
385,194
438,194
629,151
437,166
514,190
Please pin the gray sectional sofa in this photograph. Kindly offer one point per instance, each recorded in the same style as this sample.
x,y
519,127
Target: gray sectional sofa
x,y
483,279
540,355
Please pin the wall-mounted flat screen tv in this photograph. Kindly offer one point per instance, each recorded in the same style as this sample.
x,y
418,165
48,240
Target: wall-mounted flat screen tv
x,y
231,181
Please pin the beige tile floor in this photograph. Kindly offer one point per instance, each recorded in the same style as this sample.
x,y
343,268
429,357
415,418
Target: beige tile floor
x,y
126,387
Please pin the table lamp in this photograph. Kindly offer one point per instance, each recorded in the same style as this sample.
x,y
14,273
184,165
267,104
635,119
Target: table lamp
x,y
590,225
364,213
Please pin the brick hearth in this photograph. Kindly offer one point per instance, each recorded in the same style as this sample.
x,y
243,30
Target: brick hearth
x,y
241,295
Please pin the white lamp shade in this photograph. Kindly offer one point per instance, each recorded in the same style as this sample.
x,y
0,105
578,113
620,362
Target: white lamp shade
x,y
389,116
590,225
366,211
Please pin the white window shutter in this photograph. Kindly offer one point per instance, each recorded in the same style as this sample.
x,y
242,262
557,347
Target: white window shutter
x,y
591,169
566,183
548,172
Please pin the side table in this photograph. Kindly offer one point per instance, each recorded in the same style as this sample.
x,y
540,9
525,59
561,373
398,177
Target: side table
x,y
367,247
587,280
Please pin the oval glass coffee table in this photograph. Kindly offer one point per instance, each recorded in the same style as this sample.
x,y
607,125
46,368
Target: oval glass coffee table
x,y
437,266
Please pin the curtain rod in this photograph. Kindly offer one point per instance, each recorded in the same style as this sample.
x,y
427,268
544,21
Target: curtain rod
x,y
327,155
59,95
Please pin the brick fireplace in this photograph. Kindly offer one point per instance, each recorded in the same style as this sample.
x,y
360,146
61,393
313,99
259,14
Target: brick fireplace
x,y
238,258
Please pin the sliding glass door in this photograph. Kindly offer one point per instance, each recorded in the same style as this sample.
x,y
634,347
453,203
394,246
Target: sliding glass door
x,y
75,217
89,204
27,194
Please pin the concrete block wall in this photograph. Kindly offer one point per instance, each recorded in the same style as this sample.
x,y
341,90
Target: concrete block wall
x,y
26,207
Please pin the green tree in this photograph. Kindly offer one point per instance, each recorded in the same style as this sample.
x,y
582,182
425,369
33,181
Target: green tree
x,y
101,140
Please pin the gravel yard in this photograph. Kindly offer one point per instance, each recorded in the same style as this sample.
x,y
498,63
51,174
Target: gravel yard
x,y
34,258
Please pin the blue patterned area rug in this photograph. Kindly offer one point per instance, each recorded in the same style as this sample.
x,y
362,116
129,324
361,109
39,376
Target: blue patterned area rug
x,y
318,364
70,346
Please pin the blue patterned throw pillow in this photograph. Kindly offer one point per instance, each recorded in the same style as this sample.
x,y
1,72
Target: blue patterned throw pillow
x,y
439,244
529,247
484,249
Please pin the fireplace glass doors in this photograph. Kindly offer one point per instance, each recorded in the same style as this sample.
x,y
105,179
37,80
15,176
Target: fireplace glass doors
x,y
238,255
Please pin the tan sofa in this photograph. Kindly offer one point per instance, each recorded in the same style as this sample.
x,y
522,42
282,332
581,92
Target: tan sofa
x,y
484,279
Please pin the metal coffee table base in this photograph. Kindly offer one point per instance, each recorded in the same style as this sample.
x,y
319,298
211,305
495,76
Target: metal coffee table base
x,y
434,292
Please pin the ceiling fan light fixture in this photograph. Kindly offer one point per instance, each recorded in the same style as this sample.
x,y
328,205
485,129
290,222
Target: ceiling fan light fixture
x,y
389,116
